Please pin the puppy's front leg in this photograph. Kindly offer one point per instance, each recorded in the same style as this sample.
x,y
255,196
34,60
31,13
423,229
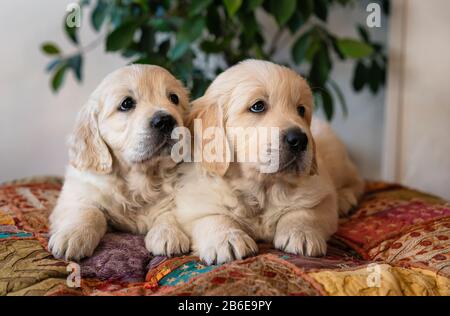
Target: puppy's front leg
x,y
305,232
218,239
76,233
165,238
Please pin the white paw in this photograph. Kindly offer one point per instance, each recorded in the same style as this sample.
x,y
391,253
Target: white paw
x,y
168,241
74,243
224,247
347,200
306,243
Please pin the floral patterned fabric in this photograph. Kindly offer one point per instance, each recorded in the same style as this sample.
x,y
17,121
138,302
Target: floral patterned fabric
x,y
396,242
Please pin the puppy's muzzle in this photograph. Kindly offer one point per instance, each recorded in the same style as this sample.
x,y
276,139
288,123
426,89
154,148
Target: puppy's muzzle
x,y
296,140
163,122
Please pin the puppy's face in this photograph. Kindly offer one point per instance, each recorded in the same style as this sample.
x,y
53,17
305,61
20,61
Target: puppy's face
x,y
131,114
261,97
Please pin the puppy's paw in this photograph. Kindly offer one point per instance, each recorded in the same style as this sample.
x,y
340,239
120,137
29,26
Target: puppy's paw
x,y
74,243
306,243
225,247
347,200
166,241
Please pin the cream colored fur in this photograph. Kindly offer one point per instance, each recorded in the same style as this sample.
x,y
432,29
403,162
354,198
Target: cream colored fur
x,y
226,207
114,178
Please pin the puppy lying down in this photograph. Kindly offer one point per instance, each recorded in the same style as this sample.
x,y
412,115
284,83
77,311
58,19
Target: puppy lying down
x,y
121,172
225,205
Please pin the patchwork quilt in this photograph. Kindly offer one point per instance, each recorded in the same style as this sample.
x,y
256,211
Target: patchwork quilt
x,y
397,242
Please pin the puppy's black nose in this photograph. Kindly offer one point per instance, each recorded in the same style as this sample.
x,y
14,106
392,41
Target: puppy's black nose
x,y
296,139
163,122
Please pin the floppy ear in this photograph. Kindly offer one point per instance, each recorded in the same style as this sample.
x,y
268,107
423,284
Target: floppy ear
x,y
87,150
213,147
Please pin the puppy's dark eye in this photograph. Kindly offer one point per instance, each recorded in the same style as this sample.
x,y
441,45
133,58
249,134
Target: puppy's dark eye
x,y
301,110
174,98
127,104
258,107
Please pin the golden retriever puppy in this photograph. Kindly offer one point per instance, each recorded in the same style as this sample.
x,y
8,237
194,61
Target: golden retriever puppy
x,y
224,204
120,171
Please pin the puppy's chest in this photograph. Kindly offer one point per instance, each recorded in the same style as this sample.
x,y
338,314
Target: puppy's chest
x,y
140,191
135,209
259,214
144,199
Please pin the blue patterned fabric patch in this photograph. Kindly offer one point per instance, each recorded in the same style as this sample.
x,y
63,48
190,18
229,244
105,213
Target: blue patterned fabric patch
x,y
17,235
186,272
9,231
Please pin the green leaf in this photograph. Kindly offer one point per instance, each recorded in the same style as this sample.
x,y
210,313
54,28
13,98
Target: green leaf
x,y
336,49
354,49
99,14
300,47
321,67
164,47
198,6
363,33
232,6
58,77
282,10
183,71
178,50
53,64
151,58
295,22
161,25
250,27
195,29
360,76
253,4
141,60
211,47
313,48
340,96
191,29
383,75
199,87
147,39
50,48
259,52
321,9
143,4
75,63
130,51
327,104
306,8
121,37
214,22
71,32
119,15
375,77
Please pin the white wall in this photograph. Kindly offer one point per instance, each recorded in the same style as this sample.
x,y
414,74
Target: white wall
x,y
418,120
34,122
362,130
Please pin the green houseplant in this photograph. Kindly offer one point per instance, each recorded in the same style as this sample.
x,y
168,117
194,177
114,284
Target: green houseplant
x,y
176,34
